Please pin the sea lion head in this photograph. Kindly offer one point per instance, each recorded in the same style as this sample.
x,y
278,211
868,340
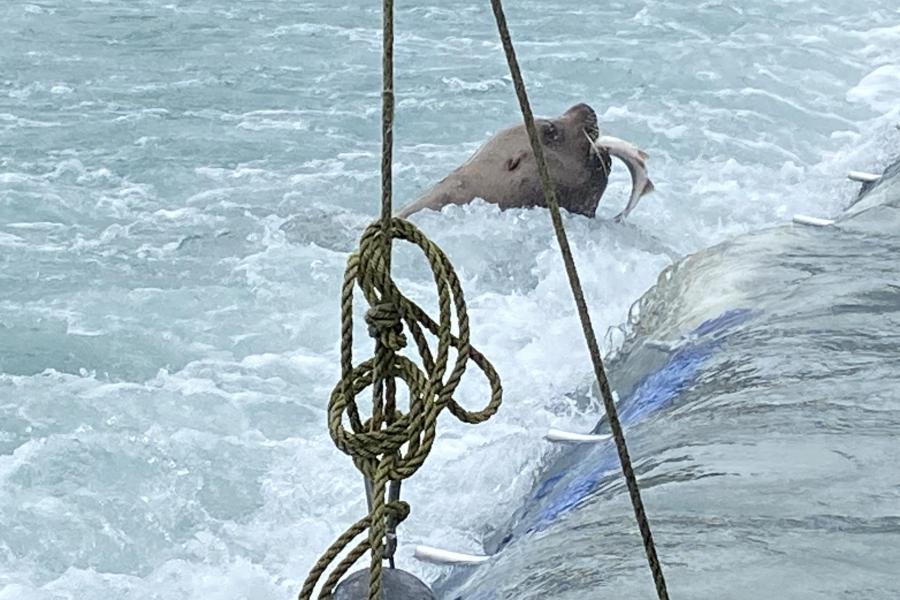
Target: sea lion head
x,y
578,170
504,171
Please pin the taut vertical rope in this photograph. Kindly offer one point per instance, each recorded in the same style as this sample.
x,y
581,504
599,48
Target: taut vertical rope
x,y
387,123
575,284
387,162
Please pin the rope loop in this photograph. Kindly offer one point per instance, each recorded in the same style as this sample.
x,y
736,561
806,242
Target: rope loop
x,y
431,387
392,445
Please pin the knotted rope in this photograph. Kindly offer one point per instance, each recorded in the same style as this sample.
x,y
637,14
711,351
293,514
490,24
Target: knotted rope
x,y
391,445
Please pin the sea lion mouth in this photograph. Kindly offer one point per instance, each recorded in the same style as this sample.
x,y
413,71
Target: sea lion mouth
x,y
597,155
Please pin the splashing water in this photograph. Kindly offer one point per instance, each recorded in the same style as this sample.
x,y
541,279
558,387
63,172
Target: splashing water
x,y
180,183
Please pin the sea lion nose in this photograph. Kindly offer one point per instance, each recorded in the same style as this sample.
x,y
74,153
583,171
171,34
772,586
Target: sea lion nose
x,y
582,111
583,117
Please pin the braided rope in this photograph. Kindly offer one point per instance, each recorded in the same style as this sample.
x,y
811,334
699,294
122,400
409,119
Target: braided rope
x,y
577,292
398,446
392,445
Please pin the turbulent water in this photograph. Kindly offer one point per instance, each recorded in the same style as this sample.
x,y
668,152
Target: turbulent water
x,y
181,181
787,379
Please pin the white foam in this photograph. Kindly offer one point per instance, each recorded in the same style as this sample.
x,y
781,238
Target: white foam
x,y
203,458
8,239
879,89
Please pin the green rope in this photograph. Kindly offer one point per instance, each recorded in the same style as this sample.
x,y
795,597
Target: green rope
x,y
575,283
398,446
391,445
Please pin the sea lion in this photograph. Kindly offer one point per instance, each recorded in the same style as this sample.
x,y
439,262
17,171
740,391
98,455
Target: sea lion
x,y
504,172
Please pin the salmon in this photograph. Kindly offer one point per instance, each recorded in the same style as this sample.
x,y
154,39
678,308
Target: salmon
x,y
635,159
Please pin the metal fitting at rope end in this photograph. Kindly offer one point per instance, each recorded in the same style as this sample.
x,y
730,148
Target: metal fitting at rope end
x,y
390,547
395,585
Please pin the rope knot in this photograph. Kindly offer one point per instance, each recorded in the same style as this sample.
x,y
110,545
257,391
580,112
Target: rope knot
x,y
385,326
392,444
398,509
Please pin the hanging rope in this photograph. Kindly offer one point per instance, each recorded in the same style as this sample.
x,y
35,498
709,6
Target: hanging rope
x,y
575,283
400,443
391,445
